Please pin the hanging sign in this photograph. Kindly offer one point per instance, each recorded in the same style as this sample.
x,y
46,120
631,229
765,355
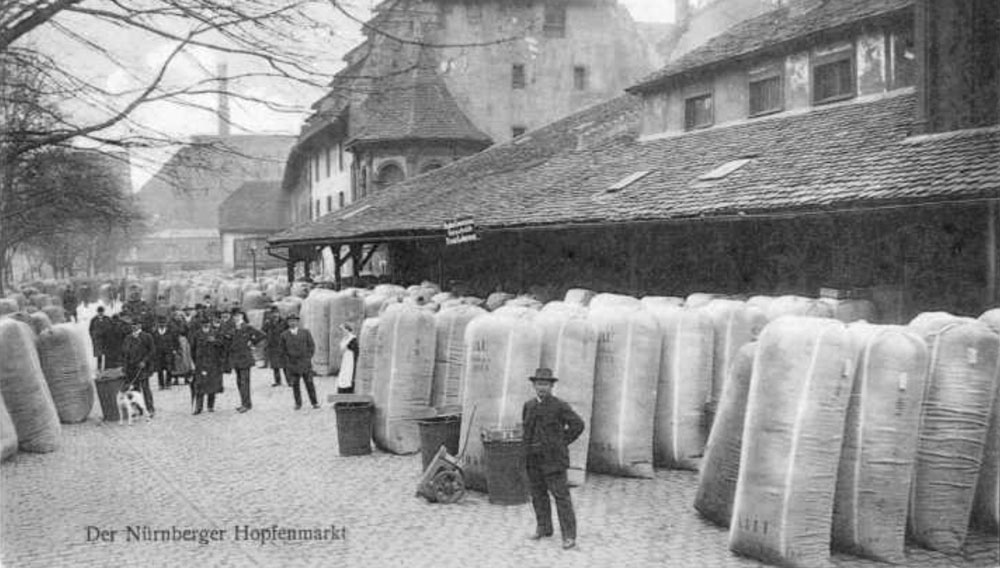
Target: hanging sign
x,y
460,231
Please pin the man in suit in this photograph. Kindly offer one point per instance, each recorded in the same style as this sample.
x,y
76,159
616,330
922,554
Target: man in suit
x,y
297,347
138,353
167,346
99,327
550,426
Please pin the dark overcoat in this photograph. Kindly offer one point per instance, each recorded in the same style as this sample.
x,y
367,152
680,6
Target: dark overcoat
x,y
298,349
138,353
166,345
273,328
241,342
550,426
208,351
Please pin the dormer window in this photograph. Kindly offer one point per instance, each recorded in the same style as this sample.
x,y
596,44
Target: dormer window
x,y
766,91
833,76
554,21
698,111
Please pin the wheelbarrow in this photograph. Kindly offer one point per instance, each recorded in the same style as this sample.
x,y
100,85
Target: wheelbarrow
x,y
442,481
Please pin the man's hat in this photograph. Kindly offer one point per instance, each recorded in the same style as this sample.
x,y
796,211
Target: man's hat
x,y
100,309
161,320
199,306
543,374
292,316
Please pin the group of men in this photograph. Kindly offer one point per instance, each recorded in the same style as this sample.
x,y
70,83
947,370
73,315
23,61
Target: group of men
x,y
199,345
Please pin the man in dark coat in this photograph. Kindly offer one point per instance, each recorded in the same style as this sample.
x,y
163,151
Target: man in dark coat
x,y
167,346
70,303
114,338
298,347
242,337
550,426
208,351
274,326
98,328
138,354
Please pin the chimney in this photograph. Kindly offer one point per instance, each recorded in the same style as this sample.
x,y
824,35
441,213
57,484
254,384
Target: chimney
x,y
223,110
682,11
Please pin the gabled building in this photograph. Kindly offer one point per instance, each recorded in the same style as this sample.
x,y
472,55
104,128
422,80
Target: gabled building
x,y
247,217
845,144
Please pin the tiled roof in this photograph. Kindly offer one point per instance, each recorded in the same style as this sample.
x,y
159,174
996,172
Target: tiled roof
x,y
413,105
770,30
257,206
854,154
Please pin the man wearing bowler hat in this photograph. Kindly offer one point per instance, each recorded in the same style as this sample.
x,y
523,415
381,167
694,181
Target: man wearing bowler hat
x,y
550,426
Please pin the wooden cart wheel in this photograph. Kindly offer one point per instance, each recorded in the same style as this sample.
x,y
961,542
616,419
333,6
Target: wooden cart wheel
x,y
448,486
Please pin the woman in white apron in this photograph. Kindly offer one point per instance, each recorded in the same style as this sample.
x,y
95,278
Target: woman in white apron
x,y
349,360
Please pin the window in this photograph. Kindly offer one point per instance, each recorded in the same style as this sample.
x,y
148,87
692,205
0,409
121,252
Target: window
x,y
340,200
554,24
329,203
766,94
517,76
317,208
516,131
326,153
698,112
580,78
363,183
316,169
904,60
389,174
833,77
340,157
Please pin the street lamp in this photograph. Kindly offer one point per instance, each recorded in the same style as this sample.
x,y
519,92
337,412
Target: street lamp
x,y
253,257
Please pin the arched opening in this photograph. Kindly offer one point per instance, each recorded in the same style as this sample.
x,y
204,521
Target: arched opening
x,y
389,174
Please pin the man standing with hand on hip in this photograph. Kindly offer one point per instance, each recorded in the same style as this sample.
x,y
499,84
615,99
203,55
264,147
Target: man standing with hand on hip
x,y
550,426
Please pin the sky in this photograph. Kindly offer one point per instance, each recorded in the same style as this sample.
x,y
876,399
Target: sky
x,y
133,58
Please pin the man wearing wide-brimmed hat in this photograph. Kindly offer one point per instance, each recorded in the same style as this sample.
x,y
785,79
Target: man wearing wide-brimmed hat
x,y
550,426
138,354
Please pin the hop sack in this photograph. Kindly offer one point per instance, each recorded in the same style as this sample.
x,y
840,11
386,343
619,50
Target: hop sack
x,y
629,343
404,366
8,436
367,352
954,420
736,324
880,442
802,378
986,507
62,351
344,307
315,314
683,387
720,467
449,355
24,390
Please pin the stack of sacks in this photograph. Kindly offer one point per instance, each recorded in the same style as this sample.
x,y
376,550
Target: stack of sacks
x,y
449,359
441,297
24,390
523,302
684,384
569,348
986,508
720,467
503,349
792,305
39,322
8,435
300,289
289,305
315,314
55,313
347,307
148,290
579,296
368,351
178,294
404,368
629,343
62,351
376,302
852,310
8,306
699,299
497,299
954,422
762,303
801,382
254,300
736,324
880,442
277,290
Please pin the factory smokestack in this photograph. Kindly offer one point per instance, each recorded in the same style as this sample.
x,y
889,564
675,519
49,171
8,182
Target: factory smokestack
x,y
223,110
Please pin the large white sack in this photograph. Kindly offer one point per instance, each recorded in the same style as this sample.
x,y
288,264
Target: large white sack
x,y
720,466
954,421
497,299
802,378
662,301
502,351
851,310
792,305
289,305
24,389
404,368
699,299
367,352
760,302
880,442
62,352
736,324
683,387
629,343
254,300
149,290
986,507
178,294
8,435
449,357
315,316
569,348
347,307
579,296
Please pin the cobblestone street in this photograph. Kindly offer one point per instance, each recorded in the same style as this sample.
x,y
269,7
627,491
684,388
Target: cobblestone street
x,y
277,466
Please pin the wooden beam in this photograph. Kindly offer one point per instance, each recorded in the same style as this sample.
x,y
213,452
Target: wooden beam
x,y
368,256
337,264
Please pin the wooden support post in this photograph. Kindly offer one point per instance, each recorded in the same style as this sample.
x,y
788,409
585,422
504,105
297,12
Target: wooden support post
x,y
992,220
355,251
290,271
368,255
338,262
520,261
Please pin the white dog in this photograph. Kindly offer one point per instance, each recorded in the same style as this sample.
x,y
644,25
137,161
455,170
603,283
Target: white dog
x,y
129,402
